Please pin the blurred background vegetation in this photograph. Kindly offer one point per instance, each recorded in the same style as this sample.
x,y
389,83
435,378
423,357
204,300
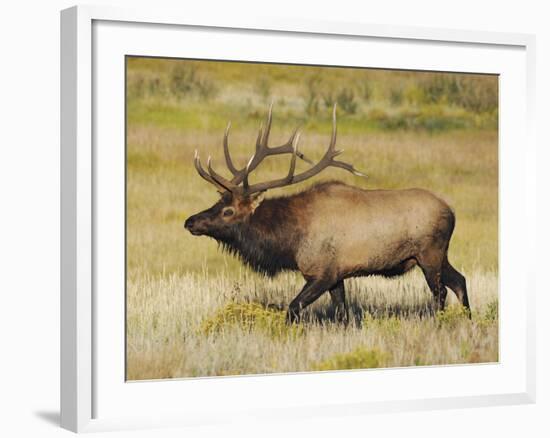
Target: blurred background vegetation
x,y
404,129
173,93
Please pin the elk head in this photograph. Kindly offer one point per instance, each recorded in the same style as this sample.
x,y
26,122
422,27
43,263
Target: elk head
x,y
239,199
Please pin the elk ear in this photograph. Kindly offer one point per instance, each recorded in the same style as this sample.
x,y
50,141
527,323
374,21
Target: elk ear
x,y
256,200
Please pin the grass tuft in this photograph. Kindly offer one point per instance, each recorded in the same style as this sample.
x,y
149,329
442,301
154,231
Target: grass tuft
x,y
360,358
452,315
250,317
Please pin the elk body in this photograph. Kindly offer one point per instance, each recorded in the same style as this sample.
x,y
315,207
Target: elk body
x,y
331,231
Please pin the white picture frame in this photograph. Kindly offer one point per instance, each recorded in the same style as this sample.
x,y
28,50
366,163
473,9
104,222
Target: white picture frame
x,y
87,377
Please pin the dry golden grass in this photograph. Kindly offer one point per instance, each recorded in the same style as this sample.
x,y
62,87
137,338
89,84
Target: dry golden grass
x,y
194,311
199,325
164,189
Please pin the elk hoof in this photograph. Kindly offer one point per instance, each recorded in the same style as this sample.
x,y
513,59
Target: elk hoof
x,y
342,319
341,316
292,316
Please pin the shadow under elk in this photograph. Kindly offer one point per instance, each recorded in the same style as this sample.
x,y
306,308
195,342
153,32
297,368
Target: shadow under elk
x,y
330,231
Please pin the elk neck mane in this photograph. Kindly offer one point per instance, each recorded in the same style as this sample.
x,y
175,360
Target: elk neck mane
x,y
268,240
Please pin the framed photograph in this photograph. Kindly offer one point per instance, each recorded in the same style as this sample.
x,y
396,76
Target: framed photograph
x,y
288,218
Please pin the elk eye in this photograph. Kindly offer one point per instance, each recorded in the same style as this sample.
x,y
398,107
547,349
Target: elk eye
x,y
228,212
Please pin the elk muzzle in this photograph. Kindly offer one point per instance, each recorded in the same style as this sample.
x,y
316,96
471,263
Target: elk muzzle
x,y
195,225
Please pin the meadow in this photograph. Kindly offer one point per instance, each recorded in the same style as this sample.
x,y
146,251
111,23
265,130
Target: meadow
x,y
194,311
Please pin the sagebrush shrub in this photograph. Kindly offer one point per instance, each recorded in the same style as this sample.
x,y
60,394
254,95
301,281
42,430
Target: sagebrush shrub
x,y
360,358
250,316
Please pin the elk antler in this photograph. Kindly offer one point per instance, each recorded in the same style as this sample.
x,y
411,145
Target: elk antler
x,y
218,181
263,151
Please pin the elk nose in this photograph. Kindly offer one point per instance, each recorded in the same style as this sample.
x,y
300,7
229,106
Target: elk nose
x,y
189,223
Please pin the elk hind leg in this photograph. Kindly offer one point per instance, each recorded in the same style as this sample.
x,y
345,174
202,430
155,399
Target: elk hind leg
x,y
338,297
457,283
431,264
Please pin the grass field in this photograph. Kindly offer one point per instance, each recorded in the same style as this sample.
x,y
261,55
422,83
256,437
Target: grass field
x,y
195,311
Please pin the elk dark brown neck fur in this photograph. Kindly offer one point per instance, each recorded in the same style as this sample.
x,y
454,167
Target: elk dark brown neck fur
x,y
268,240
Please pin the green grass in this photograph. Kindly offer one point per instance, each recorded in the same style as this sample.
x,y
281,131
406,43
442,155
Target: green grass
x,y
172,93
193,310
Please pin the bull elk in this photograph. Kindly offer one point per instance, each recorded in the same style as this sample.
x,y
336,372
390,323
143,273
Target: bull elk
x,y
330,231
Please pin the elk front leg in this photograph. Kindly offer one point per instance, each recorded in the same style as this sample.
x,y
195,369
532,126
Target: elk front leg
x,y
312,290
338,296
